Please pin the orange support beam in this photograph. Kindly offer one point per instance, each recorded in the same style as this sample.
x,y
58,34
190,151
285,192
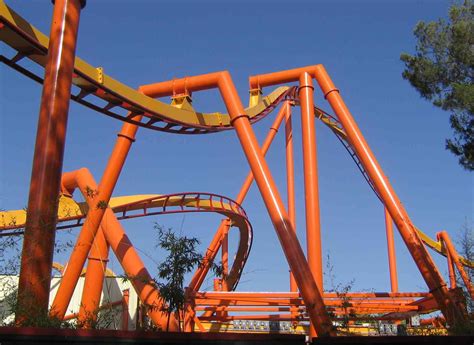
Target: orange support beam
x,y
392,260
94,217
281,77
453,254
225,260
310,163
452,273
218,239
453,313
288,240
124,251
290,185
40,229
313,226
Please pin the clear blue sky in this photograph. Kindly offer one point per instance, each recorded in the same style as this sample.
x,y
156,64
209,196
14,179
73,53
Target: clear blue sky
x,y
359,42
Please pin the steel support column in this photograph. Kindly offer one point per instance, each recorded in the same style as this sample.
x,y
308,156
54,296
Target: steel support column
x,y
290,178
392,259
124,251
101,196
38,244
284,229
290,185
218,239
310,163
94,280
272,199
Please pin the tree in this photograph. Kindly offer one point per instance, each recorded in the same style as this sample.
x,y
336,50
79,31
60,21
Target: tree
x,y
183,257
465,241
441,70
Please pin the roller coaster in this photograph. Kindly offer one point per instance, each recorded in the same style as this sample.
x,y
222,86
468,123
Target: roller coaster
x,y
99,217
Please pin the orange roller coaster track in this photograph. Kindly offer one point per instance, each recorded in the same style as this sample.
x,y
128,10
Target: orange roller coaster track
x,y
99,215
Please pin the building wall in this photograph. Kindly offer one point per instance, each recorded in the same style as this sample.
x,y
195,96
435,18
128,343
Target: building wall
x,y
112,291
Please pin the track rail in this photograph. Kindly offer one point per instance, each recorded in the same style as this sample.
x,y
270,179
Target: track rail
x,y
121,101
335,126
72,214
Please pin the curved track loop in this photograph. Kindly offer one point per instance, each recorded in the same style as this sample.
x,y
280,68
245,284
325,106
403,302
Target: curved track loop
x,y
121,102
71,214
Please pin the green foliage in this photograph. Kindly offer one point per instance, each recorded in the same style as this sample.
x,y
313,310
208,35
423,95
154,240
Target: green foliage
x,y
465,242
342,291
442,72
183,257
102,204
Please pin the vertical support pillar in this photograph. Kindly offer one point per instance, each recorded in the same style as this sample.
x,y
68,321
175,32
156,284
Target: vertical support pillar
x,y
443,236
392,259
38,244
310,163
452,273
310,292
290,183
211,252
290,178
225,258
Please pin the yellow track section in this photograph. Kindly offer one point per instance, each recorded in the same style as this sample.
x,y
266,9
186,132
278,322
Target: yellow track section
x,y
33,44
435,245
69,209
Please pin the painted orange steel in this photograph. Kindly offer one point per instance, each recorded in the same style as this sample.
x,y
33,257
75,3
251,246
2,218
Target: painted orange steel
x,y
94,280
453,313
295,295
101,228
288,240
203,269
313,226
290,186
392,260
281,77
40,229
240,309
123,249
94,217
310,163
222,232
452,273
216,242
265,147
290,178
244,302
225,260
452,252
